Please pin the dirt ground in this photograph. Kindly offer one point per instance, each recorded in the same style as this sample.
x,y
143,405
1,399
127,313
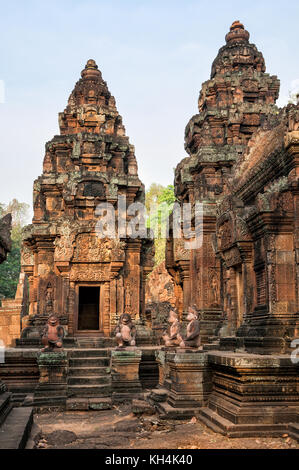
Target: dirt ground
x,y
120,429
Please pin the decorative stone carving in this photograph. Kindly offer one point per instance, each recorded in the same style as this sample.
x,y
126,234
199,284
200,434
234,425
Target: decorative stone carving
x,y
90,272
172,338
52,336
125,332
192,337
91,162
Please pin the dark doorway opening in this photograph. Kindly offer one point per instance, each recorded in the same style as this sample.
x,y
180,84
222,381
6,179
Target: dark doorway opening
x,y
89,303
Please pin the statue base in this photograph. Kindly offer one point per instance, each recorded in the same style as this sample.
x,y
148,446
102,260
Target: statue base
x,y
185,383
125,374
51,390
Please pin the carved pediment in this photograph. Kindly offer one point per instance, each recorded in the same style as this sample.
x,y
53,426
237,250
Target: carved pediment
x,y
232,257
90,248
90,272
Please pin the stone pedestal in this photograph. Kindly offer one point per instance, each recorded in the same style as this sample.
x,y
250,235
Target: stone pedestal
x,y
125,374
190,379
253,395
51,390
185,383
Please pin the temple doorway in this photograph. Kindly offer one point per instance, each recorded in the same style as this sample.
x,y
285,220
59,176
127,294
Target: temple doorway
x,y
89,308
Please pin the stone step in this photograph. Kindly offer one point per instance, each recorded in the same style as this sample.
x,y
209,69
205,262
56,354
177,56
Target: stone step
x,y
81,352
89,390
158,395
90,362
5,406
166,411
294,431
85,404
18,398
11,303
88,371
102,342
223,426
15,431
92,380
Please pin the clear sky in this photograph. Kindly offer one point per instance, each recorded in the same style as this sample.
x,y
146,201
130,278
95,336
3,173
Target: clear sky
x,y
154,56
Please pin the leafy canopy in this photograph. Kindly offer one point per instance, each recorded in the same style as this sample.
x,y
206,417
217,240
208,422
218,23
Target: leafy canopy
x,y
159,201
10,269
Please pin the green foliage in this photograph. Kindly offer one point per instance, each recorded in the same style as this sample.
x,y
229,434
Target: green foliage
x,y
293,97
167,195
152,194
10,269
159,202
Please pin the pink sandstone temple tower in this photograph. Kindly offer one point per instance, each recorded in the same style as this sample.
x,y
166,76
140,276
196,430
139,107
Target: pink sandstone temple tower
x,y
86,280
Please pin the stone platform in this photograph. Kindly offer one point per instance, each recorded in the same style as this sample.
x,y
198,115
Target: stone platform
x,y
252,395
81,380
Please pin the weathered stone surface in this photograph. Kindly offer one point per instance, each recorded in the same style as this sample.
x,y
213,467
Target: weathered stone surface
x,y
243,167
90,162
53,371
16,429
141,407
185,384
20,371
159,299
88,376
252,394
125,373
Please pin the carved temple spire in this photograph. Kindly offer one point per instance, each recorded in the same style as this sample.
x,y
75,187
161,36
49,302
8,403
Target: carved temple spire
x,y
91,107
238,54
237,33
236,100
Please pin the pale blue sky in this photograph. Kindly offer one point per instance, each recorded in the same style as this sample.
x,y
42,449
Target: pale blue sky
x,y
154,56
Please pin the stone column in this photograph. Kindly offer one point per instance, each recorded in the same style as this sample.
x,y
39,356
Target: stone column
x,y
185,275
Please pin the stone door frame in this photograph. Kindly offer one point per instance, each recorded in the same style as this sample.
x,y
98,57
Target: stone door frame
x,y
100,331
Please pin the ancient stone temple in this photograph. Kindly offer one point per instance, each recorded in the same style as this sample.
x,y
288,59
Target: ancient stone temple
x,y
87,280
217,335
237,101
243,166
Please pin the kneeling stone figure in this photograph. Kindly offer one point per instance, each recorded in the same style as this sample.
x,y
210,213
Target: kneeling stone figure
x,y
192,338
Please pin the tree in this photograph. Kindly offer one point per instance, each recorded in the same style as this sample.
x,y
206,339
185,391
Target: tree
x,y
293,97
152,194
10,269
159,202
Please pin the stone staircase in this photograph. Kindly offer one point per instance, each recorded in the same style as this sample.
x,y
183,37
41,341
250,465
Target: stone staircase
x,y
89,373
15,423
